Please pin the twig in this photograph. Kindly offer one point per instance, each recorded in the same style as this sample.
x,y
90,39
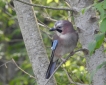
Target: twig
x,y
49,18
22,69
70,80
68,4
17,67
47,7
47,34
16,40
5,63
46,12
71,54
43,24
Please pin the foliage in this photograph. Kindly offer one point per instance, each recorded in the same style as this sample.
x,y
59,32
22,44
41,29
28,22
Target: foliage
x,y
99,37
97,68
12,45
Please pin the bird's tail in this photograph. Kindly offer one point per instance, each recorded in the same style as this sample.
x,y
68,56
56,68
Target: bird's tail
x,y
51,68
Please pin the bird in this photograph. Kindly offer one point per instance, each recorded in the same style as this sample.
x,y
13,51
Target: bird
x,y
64,41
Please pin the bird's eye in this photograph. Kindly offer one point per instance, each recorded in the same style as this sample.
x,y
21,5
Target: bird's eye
x,y
59,30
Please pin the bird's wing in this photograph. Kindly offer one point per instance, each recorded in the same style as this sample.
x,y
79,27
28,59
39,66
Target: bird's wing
x,y
54,45
52,64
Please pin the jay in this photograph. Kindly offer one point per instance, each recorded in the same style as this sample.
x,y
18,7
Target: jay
x,y
64,41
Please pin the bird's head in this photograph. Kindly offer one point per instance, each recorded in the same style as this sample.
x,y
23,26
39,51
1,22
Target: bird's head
x,y
63,27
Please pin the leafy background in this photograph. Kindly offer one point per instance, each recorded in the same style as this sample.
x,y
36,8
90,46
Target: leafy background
x,y
12,45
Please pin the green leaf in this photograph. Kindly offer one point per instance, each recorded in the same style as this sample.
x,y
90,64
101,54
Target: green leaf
x,y
91,47
10,22
49,1
2,4
57,1
91,76
97,43
99,39
83,10
105,50
97,68
104,4
103,25
98,6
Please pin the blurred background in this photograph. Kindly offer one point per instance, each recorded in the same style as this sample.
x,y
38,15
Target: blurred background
x,y
12,46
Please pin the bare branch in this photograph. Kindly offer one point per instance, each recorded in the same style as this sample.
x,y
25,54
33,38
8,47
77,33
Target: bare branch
x,y
43,24
47,34
5,63
22,69
49,18
47,7
71,54
70,80
17,67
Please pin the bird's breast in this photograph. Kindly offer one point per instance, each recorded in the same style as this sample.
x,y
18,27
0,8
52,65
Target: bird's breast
x,y
66,44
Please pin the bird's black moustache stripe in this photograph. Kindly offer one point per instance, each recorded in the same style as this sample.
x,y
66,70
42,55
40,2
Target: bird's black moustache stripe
x,y
59,30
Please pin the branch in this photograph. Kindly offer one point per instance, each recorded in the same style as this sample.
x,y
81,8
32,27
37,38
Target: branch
x,y
22,69
70,80
47,34
5,64
49,18
71,54
47,7
17,67
39,21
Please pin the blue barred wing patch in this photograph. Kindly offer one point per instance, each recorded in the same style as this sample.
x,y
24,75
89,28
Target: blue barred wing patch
x,y
55,42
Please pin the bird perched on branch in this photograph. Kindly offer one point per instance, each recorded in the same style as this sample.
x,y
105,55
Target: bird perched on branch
x,y
64,41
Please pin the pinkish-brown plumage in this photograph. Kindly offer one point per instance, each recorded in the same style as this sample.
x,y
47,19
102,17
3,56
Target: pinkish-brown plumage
x,y
67,40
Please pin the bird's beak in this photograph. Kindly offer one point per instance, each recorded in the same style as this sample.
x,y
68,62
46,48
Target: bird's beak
x,y
52,29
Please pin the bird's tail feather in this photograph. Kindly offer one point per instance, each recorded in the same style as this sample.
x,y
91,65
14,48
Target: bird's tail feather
x,y
51,69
